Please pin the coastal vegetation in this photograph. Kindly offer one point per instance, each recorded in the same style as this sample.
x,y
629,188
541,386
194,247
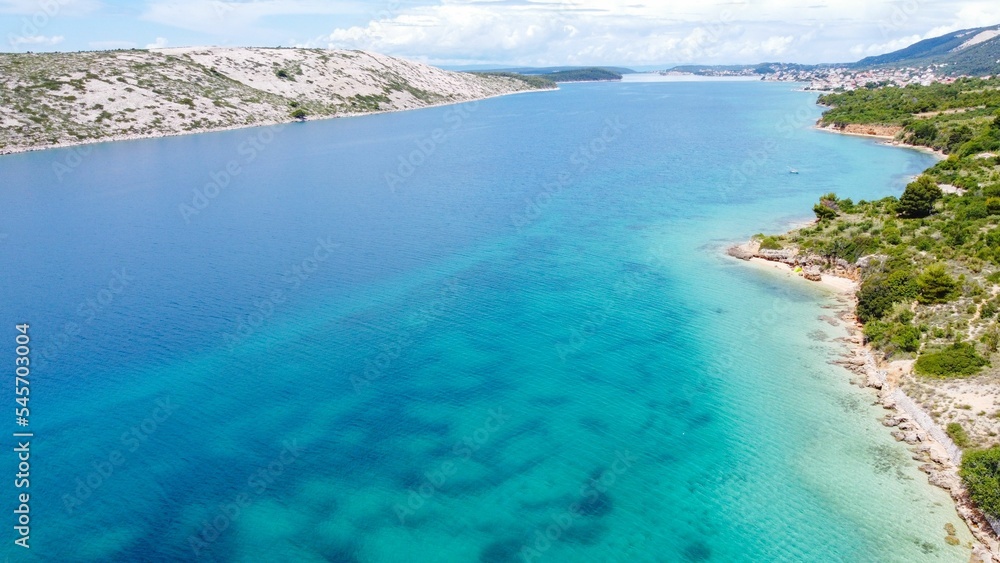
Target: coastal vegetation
x,y
981,474
928,261
533,80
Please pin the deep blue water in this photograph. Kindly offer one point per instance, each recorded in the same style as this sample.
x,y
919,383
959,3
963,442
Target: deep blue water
x,y
443,335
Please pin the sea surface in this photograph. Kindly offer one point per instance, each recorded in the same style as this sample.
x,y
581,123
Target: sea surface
x,y
497,331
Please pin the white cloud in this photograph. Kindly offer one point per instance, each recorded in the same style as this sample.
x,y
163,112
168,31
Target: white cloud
x,y
587,31
160,43
777,45
215,16
634,32
41,40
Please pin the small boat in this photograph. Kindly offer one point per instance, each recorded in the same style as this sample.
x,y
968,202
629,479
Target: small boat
x,y
792,171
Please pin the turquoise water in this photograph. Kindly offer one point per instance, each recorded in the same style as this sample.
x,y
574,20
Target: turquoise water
x,y
518,343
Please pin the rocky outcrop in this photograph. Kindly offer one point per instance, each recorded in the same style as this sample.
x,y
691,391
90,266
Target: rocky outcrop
x,y
813,266
869,130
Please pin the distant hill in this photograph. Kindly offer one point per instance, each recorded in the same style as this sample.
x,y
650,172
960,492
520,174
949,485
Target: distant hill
x,y
549,79
51,99
583,75
970,51
560,69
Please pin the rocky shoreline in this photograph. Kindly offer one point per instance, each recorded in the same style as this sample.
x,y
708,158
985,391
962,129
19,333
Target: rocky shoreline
x,y
930,445
910,423
264,123
888,133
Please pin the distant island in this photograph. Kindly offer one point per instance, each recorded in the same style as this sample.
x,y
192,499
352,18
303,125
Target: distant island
x,y
551,78
584,75
60,99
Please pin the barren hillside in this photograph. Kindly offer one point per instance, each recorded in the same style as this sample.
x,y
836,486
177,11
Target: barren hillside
x,y
53,99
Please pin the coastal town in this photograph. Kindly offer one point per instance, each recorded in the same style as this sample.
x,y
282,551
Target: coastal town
x,y
846,79
835,78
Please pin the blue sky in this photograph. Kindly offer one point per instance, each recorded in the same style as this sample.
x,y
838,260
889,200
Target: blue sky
x,y
507,32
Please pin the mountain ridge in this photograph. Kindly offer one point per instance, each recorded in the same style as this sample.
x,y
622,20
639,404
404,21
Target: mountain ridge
x,y
974,51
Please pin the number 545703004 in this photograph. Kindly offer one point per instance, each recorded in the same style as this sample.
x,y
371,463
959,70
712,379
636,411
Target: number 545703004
x,y
22,371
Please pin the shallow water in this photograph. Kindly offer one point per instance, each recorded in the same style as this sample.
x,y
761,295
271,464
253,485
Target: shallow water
x,y
511,340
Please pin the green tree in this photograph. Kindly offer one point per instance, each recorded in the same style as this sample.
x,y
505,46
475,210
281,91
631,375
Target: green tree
x,y
918,198
981,473
880,292
924,131
299,114
827,208
935,285
961,135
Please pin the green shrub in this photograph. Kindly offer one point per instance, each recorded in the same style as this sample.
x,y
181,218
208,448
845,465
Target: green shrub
x,y
993,205
892,235
957,360
991,339
980,472
935,285
907,338
925,243
299,114
989,310
958,435
770,243
992,238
